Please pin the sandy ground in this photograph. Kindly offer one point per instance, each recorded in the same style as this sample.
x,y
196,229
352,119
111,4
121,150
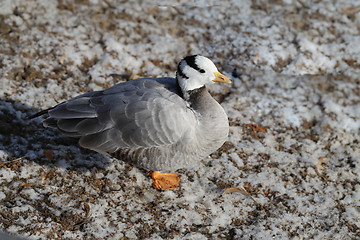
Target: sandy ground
x,y
294,107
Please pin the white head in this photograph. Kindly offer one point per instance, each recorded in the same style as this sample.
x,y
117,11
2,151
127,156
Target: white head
x,y
195,71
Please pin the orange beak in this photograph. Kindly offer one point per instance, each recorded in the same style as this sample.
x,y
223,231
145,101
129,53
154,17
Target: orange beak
x,y
221,78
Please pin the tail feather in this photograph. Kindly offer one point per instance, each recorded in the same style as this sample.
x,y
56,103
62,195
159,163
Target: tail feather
x,y
38,114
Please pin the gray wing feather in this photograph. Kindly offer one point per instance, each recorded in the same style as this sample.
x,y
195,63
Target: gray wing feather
x,y
71,111
139,113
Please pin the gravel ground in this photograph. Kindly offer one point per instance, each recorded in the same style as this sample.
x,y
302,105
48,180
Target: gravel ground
x,y
294,110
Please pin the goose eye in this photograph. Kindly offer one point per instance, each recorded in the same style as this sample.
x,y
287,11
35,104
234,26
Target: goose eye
x,y
202,71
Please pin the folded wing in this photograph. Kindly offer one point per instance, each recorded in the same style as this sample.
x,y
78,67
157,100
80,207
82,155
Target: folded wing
x,y
139,113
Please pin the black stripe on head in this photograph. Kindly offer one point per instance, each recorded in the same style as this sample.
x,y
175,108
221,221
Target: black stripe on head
x,y
180,72
190,60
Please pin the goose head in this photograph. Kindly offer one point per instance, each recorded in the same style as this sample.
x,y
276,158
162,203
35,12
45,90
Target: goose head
x,y
197,71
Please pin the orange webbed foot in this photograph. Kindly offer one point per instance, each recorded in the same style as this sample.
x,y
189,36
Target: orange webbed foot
x,y
165,181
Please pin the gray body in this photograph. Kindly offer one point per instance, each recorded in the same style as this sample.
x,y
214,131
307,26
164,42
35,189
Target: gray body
x,y
145,122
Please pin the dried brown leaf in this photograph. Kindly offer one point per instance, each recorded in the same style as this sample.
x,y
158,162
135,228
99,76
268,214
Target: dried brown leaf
x,y
48,154
255,127
234,189
238,189
87,209
22,186
43,177
319,166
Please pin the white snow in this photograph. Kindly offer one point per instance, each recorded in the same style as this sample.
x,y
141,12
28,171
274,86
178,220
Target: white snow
x,y
295,70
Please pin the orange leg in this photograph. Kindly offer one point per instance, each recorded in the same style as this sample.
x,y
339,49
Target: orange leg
x,y
165,181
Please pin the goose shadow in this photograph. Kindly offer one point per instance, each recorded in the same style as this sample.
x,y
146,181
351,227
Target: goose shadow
x,y
22,138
